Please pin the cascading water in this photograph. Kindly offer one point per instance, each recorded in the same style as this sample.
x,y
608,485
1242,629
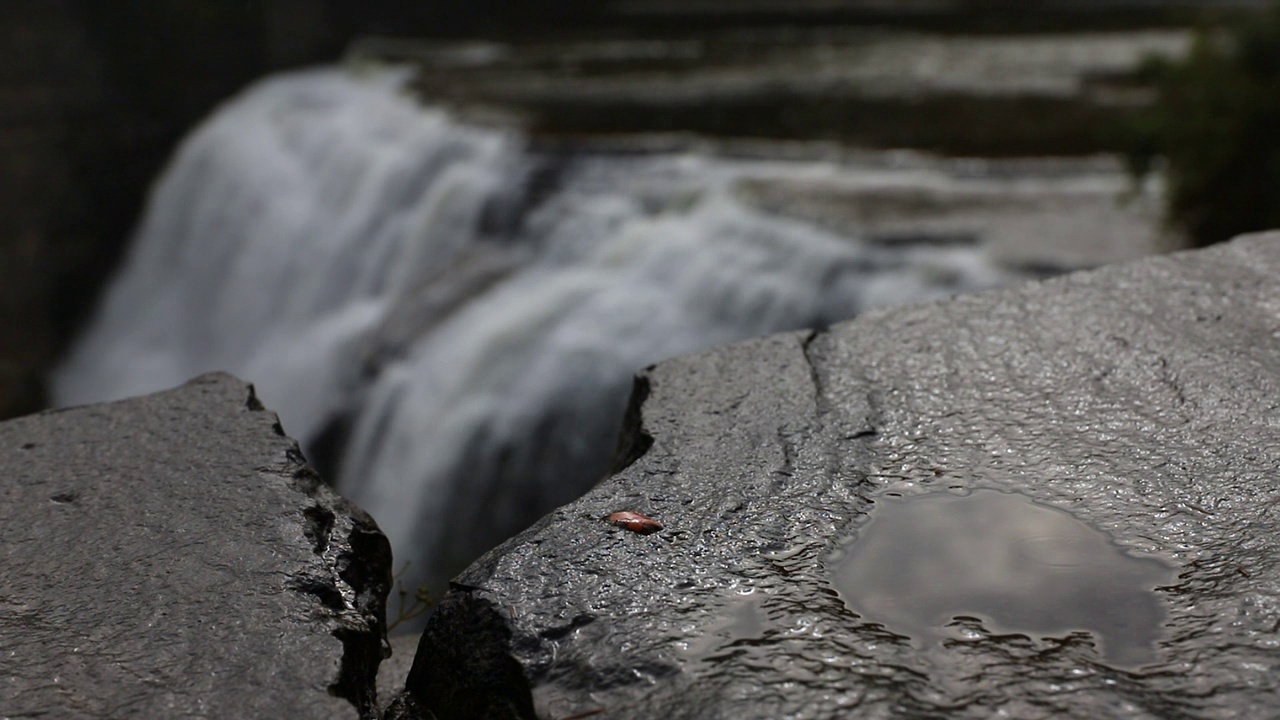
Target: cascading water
x,y
279,237
468,311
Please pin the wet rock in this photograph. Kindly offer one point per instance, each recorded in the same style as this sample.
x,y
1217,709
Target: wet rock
x,y
395,667
1143,399
173,556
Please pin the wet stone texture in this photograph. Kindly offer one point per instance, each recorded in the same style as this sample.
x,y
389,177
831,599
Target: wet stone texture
x,y
1142,399
173,556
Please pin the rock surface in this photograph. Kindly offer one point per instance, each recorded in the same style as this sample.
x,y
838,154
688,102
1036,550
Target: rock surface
x,y
395,667
1143,398
174,556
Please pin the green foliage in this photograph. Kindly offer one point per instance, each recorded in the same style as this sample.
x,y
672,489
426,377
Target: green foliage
x,y
1216,124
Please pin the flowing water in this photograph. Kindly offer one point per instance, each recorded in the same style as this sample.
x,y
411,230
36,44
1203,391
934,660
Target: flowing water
x,y
451,318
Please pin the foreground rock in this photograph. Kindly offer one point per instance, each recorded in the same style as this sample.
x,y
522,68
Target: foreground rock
x,y
1143,398
173,556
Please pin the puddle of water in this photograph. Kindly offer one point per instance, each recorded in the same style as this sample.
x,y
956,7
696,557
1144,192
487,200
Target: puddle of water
x,y
745,620
1018,566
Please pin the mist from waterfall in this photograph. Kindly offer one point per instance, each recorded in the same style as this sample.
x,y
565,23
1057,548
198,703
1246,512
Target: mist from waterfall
x,y
461,314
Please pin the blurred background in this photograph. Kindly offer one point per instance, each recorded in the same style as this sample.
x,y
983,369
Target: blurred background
x,y
442,254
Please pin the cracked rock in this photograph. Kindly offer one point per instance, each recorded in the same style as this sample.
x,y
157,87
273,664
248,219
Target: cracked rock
x,y
174,556
1143,399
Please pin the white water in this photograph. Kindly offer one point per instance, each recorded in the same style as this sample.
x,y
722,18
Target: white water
x,y
476,320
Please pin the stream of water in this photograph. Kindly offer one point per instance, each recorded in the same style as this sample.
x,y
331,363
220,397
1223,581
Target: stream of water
x,y
452,318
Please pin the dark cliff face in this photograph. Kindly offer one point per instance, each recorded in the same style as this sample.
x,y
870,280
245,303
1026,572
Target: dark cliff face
x,y
47,78
1140,399
174,556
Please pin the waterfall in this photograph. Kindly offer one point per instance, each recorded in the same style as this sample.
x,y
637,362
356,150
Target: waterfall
x,y
465,311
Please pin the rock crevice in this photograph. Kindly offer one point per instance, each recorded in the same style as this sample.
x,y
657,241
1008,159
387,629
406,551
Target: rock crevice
x,y
173,555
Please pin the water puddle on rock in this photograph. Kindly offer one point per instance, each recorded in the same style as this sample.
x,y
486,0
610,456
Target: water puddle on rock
x,y
744,621
1018,566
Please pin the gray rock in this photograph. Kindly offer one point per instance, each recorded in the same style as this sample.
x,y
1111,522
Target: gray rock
x,y
173,556
1143,398
395,667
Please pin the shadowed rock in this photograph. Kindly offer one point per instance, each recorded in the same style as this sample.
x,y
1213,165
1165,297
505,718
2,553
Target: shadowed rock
x,y
1143,398
174,556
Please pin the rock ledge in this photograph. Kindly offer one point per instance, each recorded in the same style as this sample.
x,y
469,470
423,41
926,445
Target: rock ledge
x,y
173,555
1144,399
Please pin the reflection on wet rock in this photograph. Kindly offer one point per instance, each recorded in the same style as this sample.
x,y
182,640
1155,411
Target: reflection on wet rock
x,y
1019,566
